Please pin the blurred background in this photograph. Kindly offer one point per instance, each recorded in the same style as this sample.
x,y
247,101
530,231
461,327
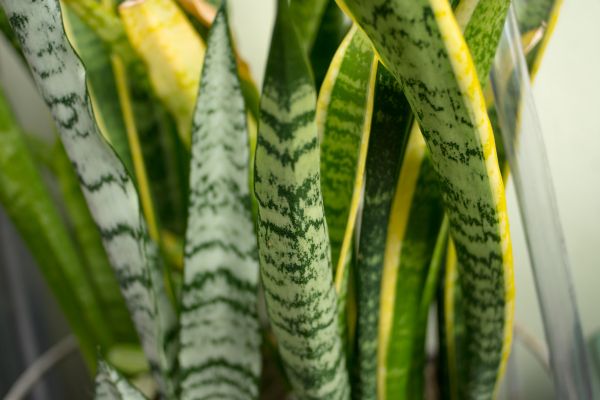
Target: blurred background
x,y
564,92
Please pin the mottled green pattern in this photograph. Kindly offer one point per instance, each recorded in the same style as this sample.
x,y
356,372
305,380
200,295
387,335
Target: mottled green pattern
x,y
307,15
110,385
392,121
405,355
344,117
220,338
108,189
482,33
293,244
414,39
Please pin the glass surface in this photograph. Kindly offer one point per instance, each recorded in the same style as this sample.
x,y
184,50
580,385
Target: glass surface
x,y
526,154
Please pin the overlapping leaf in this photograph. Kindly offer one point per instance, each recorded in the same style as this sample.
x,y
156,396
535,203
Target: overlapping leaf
x,y
434,66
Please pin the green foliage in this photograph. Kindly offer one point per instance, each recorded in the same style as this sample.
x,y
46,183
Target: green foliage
x,y
294,243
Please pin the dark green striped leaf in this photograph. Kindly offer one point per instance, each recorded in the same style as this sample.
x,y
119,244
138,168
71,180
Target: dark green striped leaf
x,y
392,121
293,244
108,189
431,60
220,338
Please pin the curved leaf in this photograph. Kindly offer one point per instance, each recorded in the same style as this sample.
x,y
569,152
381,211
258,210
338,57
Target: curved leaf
x,y
421,43
109,191
292,233
220,338
344,113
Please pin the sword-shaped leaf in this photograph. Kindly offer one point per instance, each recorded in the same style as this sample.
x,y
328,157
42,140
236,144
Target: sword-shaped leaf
x,y
111,385
220,338
422,45
392,121
293,243
109,191
413,229
344,112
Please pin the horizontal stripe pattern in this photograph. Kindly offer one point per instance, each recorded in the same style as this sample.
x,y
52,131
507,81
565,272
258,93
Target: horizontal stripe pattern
x,y
108,189
293,242
220,338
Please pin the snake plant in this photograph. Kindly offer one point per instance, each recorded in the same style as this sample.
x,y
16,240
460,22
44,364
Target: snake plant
x,y
287,244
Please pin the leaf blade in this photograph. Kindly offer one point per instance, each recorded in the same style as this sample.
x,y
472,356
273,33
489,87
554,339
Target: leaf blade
x,y
293,246
219,303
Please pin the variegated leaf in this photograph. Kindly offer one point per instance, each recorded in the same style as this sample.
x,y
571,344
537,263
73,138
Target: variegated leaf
x,y
109,191
220,338
292,233
422,45
392,121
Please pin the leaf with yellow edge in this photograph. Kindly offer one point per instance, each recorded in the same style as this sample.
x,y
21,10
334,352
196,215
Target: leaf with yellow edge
x,y
344,111
422,45
173,52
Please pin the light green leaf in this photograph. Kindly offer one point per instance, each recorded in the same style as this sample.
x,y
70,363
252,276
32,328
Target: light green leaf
x,y
390,128
220,338
108,189
431,60
89,242
293,244
110,385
